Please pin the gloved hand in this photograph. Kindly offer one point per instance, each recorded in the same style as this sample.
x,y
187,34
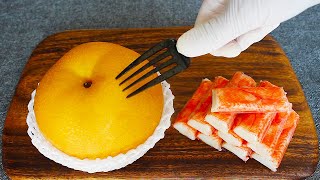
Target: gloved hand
x,y
228,27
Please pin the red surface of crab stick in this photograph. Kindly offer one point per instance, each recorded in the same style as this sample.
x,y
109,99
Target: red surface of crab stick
x,y
269,141
207,133
253,126
223,121
251,99
239,79
273,161
184,115
197,119
266,147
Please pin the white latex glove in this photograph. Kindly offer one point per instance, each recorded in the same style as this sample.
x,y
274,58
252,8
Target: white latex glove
x,y
228,27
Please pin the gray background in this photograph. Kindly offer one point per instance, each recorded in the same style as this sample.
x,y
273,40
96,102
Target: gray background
x,y
24,23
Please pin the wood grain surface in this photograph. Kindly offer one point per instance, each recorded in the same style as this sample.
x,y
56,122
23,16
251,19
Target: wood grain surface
x,y
175,155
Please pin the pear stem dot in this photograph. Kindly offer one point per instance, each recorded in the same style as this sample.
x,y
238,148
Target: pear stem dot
x,y
87,84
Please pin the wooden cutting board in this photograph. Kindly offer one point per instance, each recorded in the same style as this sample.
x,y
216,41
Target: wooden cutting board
x,y
175,155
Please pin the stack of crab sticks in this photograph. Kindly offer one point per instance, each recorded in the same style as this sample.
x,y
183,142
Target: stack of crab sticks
x,y
249,120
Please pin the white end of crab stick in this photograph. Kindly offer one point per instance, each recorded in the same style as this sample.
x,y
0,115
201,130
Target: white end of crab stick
x,y
212,140
242,152
231,138
185,130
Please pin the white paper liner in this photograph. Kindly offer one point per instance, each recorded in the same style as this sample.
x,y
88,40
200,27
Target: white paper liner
x,y
109,163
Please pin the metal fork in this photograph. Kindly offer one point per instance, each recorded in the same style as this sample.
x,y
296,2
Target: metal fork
x,y
182,62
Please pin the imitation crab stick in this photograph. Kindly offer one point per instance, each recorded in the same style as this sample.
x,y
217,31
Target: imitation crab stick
x,y
253,126
266,147
220,121
197,119
223,121
242,152
255,122
251,99
266,84
239,79
207,133
231,138
184,115
212,140
273,161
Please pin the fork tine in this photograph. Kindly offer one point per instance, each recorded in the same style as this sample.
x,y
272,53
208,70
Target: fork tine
x,y
150,63
161,66
157,80
143,57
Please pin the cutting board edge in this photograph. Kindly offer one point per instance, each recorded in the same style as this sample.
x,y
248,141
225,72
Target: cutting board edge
x,y
83,30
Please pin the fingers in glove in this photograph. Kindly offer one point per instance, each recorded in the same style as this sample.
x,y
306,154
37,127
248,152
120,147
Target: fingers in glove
x,y
235,47
206,37
209,9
